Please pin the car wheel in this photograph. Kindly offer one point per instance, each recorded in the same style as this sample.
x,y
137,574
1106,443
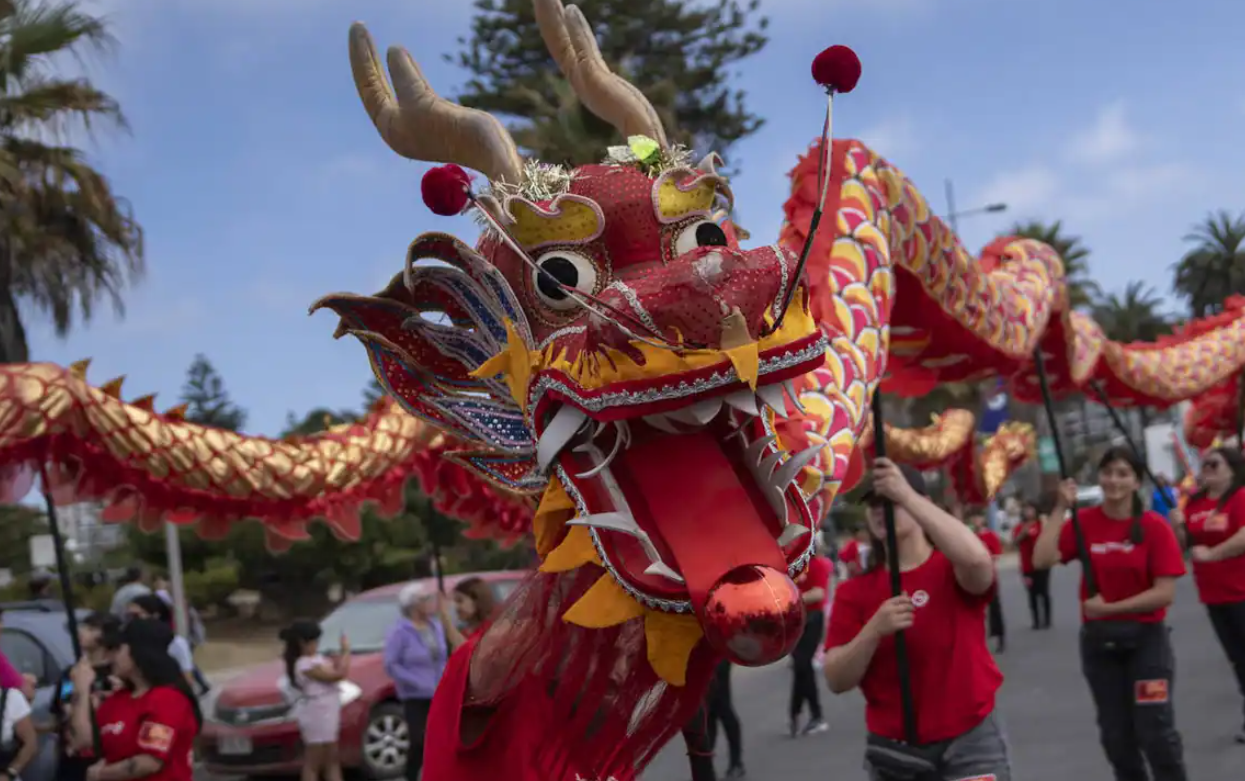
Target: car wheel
x,y
386,742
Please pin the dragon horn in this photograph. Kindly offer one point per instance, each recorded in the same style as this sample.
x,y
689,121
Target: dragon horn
x,y
570,41
421,125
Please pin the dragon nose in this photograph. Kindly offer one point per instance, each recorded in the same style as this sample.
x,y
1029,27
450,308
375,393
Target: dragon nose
x,y
753,615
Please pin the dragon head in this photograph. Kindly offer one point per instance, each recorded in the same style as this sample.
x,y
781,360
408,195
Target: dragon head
x,y
610,346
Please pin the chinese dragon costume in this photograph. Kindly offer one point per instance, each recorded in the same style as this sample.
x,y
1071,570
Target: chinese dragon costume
x,y
609,344
683,408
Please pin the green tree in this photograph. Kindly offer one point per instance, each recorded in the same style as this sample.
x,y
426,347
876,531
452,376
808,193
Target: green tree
x,y
18,523
66,240
207,401
1082,290
372,393
679,53
208,404
1215,268
1132,316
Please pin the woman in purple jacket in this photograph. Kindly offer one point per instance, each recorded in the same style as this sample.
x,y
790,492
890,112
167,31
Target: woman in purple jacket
x,y
415,653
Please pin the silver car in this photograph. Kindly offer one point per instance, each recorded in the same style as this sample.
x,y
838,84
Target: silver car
x,y
36,642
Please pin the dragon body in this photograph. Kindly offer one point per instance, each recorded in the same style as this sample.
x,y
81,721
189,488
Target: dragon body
x,y
149,467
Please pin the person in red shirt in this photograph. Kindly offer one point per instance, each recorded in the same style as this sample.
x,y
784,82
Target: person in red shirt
x,y
948,579
855,554
814,585
994,611
147,727
1214,525
1037,581
1126,654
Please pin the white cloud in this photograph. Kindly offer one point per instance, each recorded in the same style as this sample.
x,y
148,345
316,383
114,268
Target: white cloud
x,y
895,138
1109,139
1025,190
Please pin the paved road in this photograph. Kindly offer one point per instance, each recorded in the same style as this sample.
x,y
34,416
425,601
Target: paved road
x,y
1044,702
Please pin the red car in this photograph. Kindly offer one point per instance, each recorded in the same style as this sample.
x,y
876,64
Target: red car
x,y
248,729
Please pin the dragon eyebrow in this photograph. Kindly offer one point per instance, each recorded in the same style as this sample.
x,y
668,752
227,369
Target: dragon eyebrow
x,y
567,220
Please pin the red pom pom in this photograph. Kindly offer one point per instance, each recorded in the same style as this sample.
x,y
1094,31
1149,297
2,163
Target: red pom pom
x,y
446,190
837,68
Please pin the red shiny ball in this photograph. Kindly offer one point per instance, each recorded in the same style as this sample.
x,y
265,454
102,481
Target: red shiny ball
x,y
753,616
837,68
446,190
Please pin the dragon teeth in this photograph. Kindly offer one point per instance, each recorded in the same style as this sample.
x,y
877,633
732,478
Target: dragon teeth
x,y
745,401
566,423
772,396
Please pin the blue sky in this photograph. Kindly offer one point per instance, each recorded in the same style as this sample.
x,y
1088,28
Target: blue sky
x,y
262,184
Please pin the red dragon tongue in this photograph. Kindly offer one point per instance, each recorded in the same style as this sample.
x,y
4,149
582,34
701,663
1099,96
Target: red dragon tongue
x,y
687,493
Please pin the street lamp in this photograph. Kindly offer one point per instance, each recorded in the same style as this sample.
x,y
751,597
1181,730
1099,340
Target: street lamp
x,y
953,216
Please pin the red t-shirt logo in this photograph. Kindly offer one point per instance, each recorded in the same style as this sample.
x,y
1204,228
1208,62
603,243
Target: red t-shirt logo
x,y
920,598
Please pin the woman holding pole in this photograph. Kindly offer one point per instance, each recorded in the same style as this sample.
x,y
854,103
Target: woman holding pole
x,y
1214,527
947,578
1133,560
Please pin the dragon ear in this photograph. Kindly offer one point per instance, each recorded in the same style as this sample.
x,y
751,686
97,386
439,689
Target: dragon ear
x,y
430,328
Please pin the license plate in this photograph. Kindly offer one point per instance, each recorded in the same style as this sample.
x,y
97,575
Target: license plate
x,y
235,745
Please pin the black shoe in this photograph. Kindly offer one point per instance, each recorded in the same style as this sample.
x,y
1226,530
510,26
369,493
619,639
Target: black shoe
x,y
1240,737
795,727
813,727
999,646
735,771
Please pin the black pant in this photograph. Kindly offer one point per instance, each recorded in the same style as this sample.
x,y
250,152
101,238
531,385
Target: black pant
x,y
994,616
1229,623
722,709
1037,583
1133,687
416,713
804,682
700,746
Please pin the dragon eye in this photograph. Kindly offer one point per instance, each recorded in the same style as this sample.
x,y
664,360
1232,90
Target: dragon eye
x,y
699,234
561,269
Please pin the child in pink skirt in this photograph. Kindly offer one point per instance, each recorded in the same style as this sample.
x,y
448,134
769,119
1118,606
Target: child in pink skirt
x,y
313,681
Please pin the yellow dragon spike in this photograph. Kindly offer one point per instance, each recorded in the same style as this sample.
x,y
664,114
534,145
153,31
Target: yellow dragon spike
x,y
176,413
78,368
147,402
112,388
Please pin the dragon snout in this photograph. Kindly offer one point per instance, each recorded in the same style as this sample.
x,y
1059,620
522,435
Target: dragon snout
x,y
689,297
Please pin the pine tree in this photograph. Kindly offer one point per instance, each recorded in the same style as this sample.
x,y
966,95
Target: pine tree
x,y
208,401
678,52
372,393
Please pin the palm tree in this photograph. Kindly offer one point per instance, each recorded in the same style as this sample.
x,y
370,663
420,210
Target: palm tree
x,y
1133,316
1082,291
1215,268
66,240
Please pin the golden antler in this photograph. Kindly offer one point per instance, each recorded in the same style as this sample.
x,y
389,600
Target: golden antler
x,y
570,40
419,124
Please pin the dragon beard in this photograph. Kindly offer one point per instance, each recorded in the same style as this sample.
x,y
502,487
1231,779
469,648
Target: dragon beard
x,y
612,712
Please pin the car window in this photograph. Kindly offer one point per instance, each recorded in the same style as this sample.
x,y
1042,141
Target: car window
x,y
27,655
364,621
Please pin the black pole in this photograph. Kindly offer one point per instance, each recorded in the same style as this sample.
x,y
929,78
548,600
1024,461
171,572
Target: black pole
x,y
1082,551
62,566
1141,459
436,563
906,701
1240,411
71,614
